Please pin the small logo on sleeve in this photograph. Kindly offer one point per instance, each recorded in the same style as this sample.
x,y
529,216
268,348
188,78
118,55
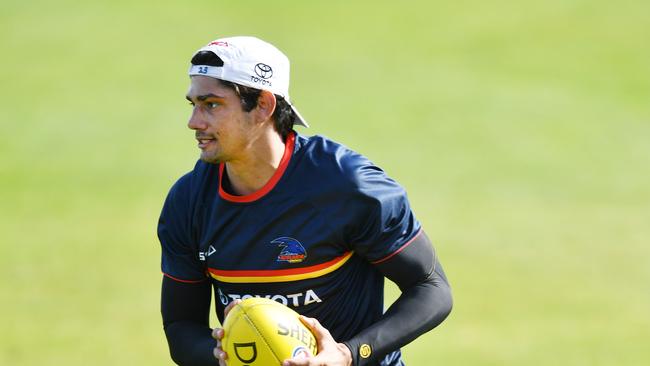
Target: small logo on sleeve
x,y
365,351
292,250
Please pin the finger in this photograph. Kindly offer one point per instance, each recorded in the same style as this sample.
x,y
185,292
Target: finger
x,y
319,331
311,323
217,333
230,306
220,355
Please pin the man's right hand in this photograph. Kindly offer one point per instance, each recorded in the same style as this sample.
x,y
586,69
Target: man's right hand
x,y
217,333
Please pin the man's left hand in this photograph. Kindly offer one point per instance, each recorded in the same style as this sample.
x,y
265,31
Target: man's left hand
x,y
330,353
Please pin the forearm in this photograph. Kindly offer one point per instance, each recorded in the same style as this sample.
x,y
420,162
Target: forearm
x,y
185,311
424,303
419,309
191,344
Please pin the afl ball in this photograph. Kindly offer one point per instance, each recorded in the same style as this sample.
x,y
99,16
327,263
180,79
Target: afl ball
x,y
263,332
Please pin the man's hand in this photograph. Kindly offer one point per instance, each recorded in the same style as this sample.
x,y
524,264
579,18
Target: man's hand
x,y
330,353
217,333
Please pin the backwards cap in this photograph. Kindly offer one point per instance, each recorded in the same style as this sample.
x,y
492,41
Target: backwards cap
x,y
251,62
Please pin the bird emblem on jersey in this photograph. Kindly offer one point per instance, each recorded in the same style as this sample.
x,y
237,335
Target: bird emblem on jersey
x,y
292,250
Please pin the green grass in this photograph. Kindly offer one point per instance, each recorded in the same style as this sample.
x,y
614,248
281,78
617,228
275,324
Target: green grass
x,y
520,130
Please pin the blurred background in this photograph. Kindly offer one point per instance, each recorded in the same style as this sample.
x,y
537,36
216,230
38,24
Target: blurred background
x,y
521,130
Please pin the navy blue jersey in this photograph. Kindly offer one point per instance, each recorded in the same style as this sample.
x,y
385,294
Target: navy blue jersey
x,y
307,239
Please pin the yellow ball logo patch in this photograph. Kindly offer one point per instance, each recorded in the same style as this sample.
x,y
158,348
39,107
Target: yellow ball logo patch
x,y
365,351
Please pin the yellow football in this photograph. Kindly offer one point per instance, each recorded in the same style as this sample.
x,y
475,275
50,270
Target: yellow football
x,y
263,332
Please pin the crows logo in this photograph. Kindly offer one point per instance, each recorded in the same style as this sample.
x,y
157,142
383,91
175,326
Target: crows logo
x,y
292,250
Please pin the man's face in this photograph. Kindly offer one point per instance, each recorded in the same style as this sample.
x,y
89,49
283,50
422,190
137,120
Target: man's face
x,y
221,126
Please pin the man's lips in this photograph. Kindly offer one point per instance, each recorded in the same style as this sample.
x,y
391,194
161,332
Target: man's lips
x,y
204,141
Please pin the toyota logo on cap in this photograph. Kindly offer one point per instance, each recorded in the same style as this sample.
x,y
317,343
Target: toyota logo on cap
x,y
263,70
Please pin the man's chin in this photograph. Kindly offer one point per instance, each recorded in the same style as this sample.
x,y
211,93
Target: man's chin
x,y
210,158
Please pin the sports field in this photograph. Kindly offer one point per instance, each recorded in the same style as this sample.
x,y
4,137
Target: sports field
x,y
521,130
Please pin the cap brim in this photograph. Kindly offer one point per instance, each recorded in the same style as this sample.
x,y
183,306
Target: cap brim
x,y
299,120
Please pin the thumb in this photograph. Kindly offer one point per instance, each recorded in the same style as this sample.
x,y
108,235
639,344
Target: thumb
x,y
296,362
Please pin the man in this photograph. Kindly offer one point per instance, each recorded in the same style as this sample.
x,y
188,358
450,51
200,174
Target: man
x,y
303,221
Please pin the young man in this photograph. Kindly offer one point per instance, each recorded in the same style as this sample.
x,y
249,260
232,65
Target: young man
x,y
303,221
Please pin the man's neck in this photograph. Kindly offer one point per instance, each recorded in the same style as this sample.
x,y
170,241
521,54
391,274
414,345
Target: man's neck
x,y
256,167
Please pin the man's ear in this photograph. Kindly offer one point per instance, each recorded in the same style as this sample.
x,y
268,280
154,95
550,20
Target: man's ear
x,y
266,104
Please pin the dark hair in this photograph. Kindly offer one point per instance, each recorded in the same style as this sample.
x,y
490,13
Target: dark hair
x,y
283,116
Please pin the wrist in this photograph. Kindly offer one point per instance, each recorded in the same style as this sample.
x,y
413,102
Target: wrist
x,y
343,348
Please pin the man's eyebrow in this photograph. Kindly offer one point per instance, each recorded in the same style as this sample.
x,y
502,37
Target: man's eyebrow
x,y
203,97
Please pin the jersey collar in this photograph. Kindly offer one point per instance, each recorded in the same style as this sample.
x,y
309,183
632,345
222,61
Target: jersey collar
x,y
284,162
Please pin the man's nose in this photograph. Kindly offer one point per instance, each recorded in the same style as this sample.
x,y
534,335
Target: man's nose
x,y
196,122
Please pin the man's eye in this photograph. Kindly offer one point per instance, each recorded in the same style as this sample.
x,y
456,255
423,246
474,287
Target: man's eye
x,y
212,105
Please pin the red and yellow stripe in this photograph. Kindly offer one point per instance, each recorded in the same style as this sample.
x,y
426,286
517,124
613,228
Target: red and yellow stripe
x,y
279,275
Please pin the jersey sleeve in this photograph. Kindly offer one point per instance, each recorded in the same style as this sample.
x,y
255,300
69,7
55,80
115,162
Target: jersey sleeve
x,y
180,260
383,220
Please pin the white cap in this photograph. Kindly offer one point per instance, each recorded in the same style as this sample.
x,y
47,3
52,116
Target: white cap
x,y
251,62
